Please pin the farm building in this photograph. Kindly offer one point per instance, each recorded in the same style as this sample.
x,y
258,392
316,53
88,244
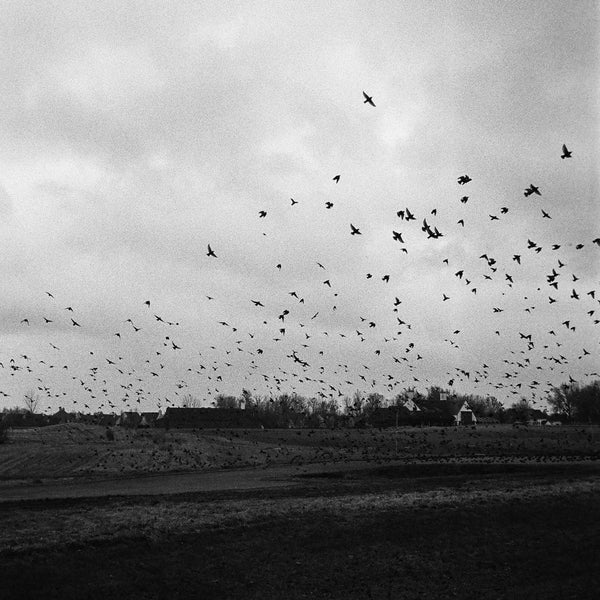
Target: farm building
x,y
62,416
129,419
148,419
448,408
207,418
391,416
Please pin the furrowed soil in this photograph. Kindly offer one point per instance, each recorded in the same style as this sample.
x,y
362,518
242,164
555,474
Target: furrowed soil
x,y
500,514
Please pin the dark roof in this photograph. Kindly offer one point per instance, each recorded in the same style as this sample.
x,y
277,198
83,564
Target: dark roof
x,y
209,418
445,408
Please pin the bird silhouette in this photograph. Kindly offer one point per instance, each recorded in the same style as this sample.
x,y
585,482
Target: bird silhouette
x,y
354,230
211,252
532,189
566,153
368,99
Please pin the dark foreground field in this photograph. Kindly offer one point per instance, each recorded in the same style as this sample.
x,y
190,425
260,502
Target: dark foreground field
x,y
385,532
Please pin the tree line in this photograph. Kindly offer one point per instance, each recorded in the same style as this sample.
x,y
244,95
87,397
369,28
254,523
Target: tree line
x,y
568,403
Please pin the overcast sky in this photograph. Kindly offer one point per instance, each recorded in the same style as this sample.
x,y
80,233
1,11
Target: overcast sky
x,y
135,134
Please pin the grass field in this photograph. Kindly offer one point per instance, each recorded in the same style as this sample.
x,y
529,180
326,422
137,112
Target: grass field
x,y
488,513
73,450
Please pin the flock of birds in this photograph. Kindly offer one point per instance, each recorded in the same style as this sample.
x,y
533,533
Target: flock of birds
x,y
113,383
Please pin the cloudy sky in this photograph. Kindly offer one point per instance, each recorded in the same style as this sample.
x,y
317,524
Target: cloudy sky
x,y
135,134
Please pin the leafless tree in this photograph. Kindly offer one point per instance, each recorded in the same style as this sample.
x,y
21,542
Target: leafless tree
x,y
31,401
189,401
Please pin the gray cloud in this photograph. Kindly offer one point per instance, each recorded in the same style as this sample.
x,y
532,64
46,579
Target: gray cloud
x,y
133,136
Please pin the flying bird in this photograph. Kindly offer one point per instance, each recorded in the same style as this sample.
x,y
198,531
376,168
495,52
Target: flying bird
x,y
368,99
354,230
566,153
210,253
532,189
336,178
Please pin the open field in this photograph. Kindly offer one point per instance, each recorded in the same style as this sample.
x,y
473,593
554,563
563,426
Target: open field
x,y
377,534
494,512
74,450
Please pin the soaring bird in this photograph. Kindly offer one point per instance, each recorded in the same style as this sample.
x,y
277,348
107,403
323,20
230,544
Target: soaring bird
x,y
566,153
532,189
354,230
368,99
294,201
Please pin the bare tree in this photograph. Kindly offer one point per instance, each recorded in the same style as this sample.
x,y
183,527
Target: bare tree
x,y
189,401
31,401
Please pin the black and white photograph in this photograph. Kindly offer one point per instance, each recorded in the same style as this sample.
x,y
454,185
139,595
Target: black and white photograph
x,y
300,300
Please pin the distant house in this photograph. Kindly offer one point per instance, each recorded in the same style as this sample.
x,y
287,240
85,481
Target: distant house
x,y
129,419
207,418
452,410
148,419
411,405
62,416
390,416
